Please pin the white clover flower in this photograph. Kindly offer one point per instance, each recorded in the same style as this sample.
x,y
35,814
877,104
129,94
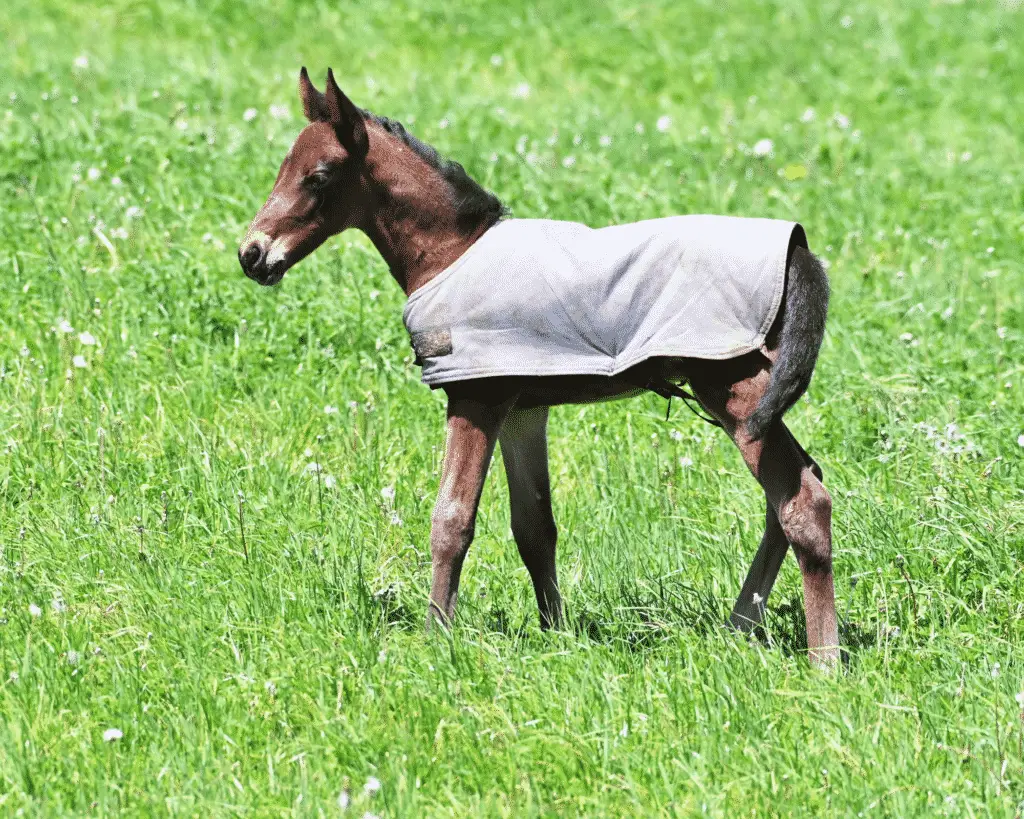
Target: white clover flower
x,y
344,800
80,362
663,123
395,519
249,114
808,115
374,295
64,326
675,435
995,670
87,338
846,22
388,493
313,468
1020,440
639,128
58,605
841,120
330,410
270,688
81,61
372,786
1001,332
34,610
119,233
496,60
115,181
1020,699
329,482
93,174
568,161
521,91
758,599
280,111
763,147
73,657
685,462
444,123
604,140
112,735
134,212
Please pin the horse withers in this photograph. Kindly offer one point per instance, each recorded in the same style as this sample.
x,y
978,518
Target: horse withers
x,y
512,316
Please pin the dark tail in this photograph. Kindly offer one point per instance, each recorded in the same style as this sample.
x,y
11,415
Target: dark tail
x,y
803,327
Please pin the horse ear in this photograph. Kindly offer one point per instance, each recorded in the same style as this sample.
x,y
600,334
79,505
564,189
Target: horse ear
x,y
314,104
346,118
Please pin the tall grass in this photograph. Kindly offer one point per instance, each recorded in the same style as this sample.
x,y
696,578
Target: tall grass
x,y
194,546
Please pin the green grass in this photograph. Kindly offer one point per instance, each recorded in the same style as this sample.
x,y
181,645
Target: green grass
x,y
261,677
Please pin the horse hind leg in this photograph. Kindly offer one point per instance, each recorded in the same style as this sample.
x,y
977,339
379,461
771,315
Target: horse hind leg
x,y
801,505
748,612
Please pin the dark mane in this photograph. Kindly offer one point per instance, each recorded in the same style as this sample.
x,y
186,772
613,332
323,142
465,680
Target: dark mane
x,y
475,206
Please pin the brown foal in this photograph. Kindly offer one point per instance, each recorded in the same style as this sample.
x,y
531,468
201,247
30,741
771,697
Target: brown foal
x,y
349,168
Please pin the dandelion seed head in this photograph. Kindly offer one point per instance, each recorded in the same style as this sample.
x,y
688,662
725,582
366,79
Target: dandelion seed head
x,y
664,123
250,114
372,786
34,610
93,174
87,338
112,735
763,147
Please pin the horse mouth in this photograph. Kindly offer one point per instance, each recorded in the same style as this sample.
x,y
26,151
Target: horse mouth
x,y
268,277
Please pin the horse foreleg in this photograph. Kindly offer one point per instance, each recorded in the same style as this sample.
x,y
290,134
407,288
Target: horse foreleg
x,y
473,427
524,449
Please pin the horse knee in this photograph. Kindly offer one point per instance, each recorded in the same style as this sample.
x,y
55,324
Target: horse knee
x,y
807,522
451,531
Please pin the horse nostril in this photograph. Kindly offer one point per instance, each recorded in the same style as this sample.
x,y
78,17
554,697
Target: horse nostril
x,y
250,257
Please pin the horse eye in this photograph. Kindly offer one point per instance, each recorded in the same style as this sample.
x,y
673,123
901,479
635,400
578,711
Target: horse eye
x,y
318,180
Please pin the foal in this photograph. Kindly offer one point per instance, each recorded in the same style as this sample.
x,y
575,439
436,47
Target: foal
x,y
350,168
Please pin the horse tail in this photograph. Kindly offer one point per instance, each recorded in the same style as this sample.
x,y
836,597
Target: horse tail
x,y
803,327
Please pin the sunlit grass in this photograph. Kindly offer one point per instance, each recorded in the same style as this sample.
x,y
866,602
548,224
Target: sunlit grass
x,y
195,548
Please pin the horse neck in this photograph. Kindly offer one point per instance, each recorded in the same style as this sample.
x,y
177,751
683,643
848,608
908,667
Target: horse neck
x,y
410,221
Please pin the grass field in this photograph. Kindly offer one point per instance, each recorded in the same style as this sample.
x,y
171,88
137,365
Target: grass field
x,y
269,665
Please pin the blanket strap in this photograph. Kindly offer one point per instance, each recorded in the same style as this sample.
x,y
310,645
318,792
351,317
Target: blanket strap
x,y
670,390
